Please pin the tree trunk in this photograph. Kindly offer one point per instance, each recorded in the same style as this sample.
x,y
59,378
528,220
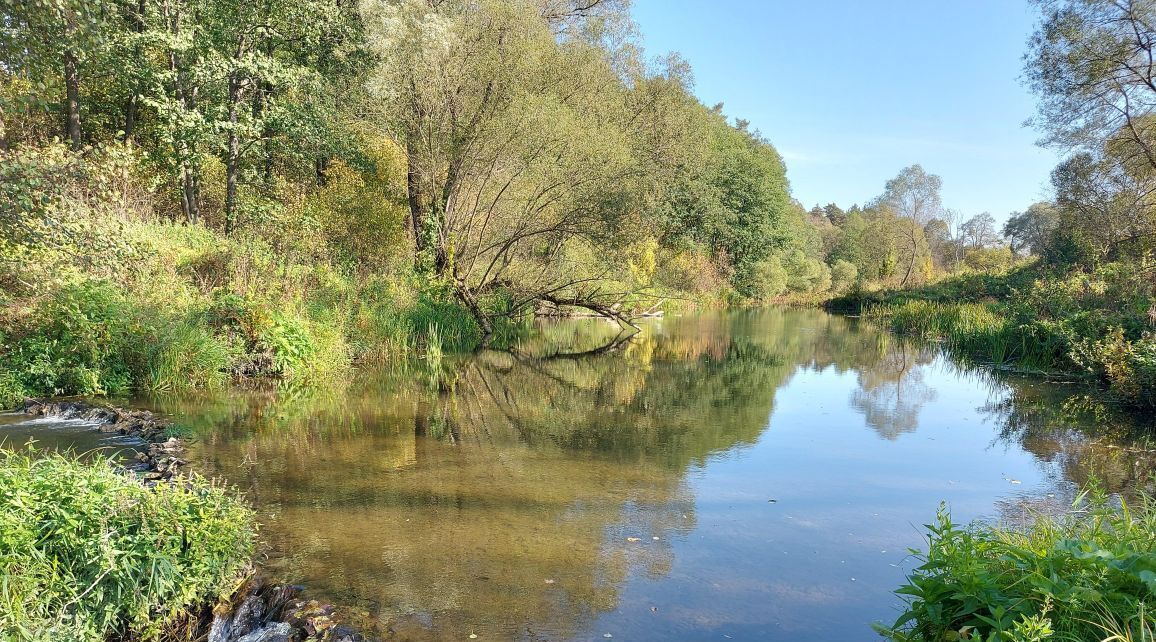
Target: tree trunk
x,y
190,192
914,257
320,166
130,110
471,302
138,25
266,92
413,192
186,154
232,162
72,98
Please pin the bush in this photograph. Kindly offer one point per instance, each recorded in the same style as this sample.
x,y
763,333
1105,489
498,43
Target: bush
x,y
57,214
89,554
92,339
1129,367
274,342
76,344
843,275
1088,575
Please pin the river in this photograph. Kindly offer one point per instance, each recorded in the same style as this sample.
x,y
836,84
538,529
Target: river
x,y
753,475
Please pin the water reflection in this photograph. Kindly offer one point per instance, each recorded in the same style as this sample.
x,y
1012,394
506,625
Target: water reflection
x,y
748,474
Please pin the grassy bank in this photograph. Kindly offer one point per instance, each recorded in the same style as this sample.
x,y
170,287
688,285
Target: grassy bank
x,y
1096,323
1088,575
89,554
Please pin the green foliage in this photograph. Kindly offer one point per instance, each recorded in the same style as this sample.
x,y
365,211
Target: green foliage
x,y
1096,323
54,208
843,275
988,259
1087,575
276,342
736,203
92,339
79,344
89,554
1128,366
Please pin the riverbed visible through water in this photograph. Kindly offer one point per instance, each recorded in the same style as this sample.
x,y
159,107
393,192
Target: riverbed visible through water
x,y
753,475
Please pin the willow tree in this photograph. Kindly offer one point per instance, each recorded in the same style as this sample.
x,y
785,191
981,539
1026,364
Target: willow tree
x,y
1091,62
528,153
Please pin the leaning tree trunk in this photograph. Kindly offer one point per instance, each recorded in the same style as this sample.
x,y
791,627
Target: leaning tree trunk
x,y
471,302
914,258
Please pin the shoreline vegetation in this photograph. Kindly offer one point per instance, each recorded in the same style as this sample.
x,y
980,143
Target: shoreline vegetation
x,y
1086,574
1095,324
97,549
89,553
199,192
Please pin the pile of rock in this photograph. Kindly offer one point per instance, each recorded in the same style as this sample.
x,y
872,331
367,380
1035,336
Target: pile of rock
x,y
132,423
270,613
162,458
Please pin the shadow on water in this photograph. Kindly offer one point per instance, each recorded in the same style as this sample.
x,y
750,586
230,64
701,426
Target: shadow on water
x,y
556,491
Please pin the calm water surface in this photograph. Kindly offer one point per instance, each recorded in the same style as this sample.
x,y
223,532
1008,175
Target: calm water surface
x,y
750,476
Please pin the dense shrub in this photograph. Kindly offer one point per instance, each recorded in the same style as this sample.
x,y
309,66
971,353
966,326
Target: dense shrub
x,y
77,344
89,554
843,276
1088,575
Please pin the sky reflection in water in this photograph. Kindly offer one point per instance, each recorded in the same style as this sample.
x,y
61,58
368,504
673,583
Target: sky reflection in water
x,y
757,475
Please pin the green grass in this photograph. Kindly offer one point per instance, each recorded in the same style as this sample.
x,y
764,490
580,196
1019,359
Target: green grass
x,y
979,332
89,554
1088,575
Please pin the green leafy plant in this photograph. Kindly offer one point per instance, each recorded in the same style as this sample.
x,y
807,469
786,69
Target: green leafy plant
x,y
1086,575
88,553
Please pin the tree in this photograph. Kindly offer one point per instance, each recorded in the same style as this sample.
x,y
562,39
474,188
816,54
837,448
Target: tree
x,y
939,241
53,40
731,197
525,149
913,194
834,214
1105,205
1030,231
1091,64
979,231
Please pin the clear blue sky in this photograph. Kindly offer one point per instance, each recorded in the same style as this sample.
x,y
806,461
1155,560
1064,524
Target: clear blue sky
x,y
852,91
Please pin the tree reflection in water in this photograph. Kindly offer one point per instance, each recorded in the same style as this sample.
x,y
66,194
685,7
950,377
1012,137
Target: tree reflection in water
x,y
514,493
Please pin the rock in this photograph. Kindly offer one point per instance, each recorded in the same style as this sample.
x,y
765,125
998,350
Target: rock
x,y
278,632
245,619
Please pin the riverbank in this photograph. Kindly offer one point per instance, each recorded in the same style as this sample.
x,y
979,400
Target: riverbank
x,y
97,549
1095,324
90,553
1084,575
